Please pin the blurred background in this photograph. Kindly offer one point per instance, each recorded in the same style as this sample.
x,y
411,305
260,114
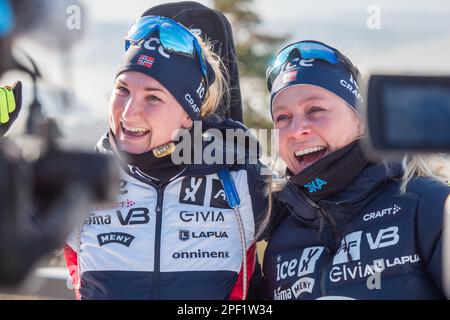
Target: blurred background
x,y
384,36
389,36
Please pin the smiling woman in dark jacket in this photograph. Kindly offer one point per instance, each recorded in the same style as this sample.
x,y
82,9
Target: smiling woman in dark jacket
x,y
342,225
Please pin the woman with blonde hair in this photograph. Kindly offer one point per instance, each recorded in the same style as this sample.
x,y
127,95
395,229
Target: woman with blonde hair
x,y
178,229
342,225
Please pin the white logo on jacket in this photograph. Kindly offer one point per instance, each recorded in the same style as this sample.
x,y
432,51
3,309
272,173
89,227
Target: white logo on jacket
x,y
298,267
190,193
359,271
385,238
349,248
381,213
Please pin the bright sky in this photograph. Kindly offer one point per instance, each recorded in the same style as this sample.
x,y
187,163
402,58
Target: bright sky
x,y
414,36
406,25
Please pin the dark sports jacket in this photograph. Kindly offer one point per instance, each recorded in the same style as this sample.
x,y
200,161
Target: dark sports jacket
x,y
367,242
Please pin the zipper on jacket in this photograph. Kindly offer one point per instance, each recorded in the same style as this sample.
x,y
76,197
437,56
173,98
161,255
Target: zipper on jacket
x,y
157,257
155,293
323,275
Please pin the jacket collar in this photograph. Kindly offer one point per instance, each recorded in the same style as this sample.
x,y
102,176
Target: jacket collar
x,y
343,206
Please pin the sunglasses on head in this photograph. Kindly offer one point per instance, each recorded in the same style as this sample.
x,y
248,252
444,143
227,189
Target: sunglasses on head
x,y
304,50
173,37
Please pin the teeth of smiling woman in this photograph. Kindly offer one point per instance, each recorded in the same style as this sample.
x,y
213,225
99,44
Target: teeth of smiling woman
x,y
134,129
308,150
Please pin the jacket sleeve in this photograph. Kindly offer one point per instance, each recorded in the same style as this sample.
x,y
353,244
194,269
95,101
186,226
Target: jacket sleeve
x,y
429,227
71,249
71,257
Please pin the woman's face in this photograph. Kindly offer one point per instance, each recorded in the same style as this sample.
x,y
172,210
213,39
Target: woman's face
x,y
312,123
143,114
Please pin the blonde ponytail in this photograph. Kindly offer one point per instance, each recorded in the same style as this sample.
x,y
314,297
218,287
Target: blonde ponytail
x,y
219,88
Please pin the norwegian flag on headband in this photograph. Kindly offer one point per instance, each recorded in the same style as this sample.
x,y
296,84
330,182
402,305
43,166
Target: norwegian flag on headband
x,y
145,61
289,76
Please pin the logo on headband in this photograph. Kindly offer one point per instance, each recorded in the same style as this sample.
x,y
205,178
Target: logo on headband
x,y
150,45
297,62
145,61
353,87
284,78
192,103
201,89
289,76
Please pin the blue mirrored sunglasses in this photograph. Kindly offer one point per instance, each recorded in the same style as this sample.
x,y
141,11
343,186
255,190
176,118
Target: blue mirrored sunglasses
x,y
305,50
173,36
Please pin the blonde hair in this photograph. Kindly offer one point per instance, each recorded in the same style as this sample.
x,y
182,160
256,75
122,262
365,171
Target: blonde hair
x,y
274,185
220,87
434,166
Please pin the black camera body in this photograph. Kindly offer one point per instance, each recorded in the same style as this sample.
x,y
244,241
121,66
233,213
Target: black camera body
x,y
43,201
408,113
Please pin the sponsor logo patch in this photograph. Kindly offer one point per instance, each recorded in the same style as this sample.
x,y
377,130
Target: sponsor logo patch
x,y
359,271
185,235
349,248
302,285
199,254
381,213
193,190
145,61
92,219
298,267
115,237
134,216
218,196
202,216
